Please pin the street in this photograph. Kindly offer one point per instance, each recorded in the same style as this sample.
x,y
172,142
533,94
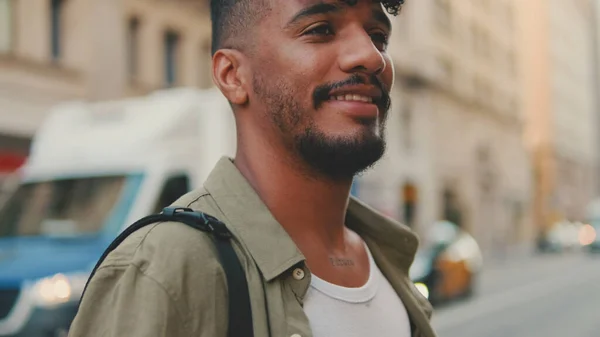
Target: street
x,y
545,296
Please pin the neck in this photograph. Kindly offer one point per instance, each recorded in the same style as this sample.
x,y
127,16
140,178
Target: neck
x,y
311,209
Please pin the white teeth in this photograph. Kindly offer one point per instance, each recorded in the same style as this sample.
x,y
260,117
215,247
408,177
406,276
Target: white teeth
x,y
352,97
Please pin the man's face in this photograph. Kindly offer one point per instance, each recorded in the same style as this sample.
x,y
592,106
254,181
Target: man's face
x,y
322,74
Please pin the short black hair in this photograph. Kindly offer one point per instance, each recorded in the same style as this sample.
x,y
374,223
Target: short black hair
x,y
233,17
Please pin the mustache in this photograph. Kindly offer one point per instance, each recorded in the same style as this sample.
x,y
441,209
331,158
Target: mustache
x,y
321,93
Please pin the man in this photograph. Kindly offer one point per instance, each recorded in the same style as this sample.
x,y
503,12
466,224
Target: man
x,y
309,83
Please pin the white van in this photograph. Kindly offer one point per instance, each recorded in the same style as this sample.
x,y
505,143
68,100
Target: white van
x,y
94,169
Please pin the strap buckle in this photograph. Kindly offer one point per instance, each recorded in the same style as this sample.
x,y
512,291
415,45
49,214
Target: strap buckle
x,y
214,225
171,211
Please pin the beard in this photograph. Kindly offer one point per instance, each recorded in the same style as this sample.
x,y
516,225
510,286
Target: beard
x,y
337,157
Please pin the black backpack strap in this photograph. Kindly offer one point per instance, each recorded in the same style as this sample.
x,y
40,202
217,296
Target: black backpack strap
x,y
240,311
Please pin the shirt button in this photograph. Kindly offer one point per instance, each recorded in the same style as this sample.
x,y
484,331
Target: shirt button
x,y
296,335
298,275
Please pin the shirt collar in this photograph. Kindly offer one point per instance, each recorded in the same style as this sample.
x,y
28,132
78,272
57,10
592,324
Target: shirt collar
x,y
271,247
397,242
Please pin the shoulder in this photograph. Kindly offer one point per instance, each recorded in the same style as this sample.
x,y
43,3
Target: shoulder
x,y
169,265
171,238
172,253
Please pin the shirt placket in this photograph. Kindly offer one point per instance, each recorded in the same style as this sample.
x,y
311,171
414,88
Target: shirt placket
x,y
298,281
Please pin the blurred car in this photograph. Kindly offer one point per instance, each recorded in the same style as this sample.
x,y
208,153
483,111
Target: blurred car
x,y
447,266
562,236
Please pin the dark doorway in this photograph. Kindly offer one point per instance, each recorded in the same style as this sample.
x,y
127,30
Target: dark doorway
x,y
452,210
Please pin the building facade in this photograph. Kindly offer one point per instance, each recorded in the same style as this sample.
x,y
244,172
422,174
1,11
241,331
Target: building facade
x,y
473,78
57,50
456,146
561,93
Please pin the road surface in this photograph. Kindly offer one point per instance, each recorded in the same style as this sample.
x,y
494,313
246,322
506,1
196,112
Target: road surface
x,y
541,296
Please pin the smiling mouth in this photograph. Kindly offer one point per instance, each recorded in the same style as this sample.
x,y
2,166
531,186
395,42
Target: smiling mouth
x,y
352,98
359,107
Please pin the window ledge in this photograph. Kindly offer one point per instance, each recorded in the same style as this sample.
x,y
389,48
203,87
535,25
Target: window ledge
x,y
50,68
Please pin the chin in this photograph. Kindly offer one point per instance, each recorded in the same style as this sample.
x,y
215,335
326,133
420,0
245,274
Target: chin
x,y
341,155
356,130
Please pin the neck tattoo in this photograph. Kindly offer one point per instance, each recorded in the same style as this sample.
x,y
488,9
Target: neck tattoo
x,y
339,262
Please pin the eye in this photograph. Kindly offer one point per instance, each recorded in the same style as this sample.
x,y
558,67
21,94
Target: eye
x,y
320,30
380,40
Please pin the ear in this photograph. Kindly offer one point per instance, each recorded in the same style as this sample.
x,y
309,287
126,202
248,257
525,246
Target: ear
x,y
228,74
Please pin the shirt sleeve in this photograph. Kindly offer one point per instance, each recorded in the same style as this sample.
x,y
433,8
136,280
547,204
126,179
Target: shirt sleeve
x,y
124,301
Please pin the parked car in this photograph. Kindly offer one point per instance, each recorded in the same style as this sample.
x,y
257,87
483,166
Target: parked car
x,y
447,266
562,236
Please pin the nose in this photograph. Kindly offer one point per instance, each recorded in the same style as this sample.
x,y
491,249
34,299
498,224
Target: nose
x,y
360,54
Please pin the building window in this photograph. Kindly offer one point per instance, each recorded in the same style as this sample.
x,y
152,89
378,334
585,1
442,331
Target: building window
x,y
171,57
407,126
513,106
482,43
485,93
6,25
485,5
446,68
443,15
510,22
132,47
483,90
511,64
205,66
56,9
485,170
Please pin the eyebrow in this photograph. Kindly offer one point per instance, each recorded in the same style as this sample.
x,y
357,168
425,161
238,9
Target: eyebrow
x,y
326,8
320,8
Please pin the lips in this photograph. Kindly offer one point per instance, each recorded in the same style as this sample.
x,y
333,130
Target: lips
x,y
358,89
357,107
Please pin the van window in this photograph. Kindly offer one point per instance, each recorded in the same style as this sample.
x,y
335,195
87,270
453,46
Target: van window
x,y
67,206
173,189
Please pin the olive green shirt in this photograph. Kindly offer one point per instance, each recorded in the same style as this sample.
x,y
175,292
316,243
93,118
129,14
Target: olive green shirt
x,y
166,279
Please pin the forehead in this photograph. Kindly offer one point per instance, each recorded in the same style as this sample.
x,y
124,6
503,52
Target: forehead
x,y
342,2
291,7
289,12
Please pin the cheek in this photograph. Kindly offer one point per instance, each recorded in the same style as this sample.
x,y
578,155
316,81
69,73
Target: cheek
x,y
389,72
288,68
308,66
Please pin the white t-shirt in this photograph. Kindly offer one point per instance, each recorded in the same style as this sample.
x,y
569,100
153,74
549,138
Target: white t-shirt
x,y
371,310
